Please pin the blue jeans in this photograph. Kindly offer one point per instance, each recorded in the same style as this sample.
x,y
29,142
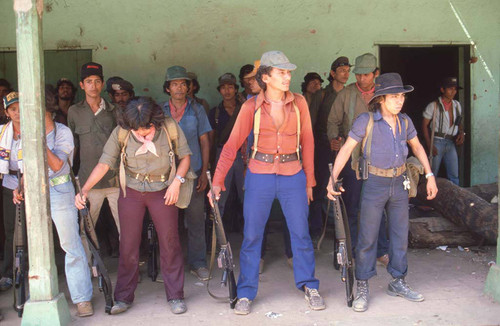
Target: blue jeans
x,y
260,191
65,217
194,216
447,152
351,197
381,193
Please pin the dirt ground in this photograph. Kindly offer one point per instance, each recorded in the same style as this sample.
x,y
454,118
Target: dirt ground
x,y
452,282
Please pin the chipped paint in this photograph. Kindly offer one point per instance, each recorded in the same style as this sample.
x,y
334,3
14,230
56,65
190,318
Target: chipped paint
x,y
65,44
22,5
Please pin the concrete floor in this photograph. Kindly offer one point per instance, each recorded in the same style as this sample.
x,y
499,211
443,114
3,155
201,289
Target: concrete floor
x,y
452,282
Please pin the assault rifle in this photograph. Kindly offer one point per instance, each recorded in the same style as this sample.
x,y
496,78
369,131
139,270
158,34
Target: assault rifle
x,y
225,258
153,252
21,253
98,268
342,244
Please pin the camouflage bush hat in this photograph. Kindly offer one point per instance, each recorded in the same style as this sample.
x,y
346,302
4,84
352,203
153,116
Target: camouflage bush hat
x,y
176,73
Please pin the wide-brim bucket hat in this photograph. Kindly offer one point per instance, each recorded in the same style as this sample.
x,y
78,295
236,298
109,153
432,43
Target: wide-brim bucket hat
x,y
390,83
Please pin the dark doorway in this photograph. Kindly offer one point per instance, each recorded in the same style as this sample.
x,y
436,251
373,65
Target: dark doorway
x,y
424,68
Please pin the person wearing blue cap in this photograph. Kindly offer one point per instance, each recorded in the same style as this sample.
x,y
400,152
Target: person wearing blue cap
x,y
386,134
281,166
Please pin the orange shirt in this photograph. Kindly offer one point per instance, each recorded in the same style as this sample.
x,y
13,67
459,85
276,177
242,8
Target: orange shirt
x,y
271,139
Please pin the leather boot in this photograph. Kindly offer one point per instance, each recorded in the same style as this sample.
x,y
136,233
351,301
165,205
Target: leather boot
x,y
360,303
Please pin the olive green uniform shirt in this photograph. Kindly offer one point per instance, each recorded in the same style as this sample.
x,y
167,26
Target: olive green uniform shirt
x,y
340,118
144,164
91,132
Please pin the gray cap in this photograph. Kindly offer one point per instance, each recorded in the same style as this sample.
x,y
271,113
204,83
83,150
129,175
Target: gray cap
x,y
227,78
276,59
365,64
176,73
122,85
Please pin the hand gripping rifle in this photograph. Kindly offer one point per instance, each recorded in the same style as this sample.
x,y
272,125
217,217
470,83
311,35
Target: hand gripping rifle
x,y
98,268
225,259
153,252
20,254
343,249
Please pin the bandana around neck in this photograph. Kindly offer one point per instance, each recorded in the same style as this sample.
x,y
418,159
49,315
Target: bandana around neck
x,y
147,144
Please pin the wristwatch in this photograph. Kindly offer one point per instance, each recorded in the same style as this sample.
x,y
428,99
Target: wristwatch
x,y
181,179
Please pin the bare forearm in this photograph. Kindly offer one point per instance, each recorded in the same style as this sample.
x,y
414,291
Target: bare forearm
x,y
205,152
420,153
184,166
97,173
54,162
343,156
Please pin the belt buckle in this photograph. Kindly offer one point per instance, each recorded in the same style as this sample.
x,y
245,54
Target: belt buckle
x,y
394,171
146,177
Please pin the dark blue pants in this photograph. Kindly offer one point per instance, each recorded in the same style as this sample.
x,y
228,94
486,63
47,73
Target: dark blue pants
x,y
260,191
381,193
351,198
322,156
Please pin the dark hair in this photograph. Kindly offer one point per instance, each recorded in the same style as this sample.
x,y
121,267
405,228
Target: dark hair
x,y
140,112
5,83
236,87
50,99
305,83
263,70
245,70
166,85
375,103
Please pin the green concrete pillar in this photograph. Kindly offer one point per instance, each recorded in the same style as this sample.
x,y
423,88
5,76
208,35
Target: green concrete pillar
x,y
46,305
492,285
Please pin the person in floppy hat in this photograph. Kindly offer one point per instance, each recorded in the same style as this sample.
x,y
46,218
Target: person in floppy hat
x,y
445,116
312,84
386,185
222,118
275,170
191,117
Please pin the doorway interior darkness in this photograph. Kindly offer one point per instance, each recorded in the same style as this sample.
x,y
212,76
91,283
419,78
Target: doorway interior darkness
x,y
424,68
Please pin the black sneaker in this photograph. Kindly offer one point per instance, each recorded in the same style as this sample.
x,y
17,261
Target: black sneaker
x,y
399,287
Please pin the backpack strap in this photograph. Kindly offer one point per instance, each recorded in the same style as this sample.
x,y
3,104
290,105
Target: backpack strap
x,y
367,141
123,136
170,129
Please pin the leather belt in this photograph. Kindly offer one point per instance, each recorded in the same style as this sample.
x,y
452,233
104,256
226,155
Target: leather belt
x,y
270,158
147,177
441,135
13,172
388,173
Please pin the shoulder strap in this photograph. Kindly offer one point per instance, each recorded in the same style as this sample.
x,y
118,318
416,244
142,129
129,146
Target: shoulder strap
x,y
123,136
256,129
171,132
297,112
367,141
